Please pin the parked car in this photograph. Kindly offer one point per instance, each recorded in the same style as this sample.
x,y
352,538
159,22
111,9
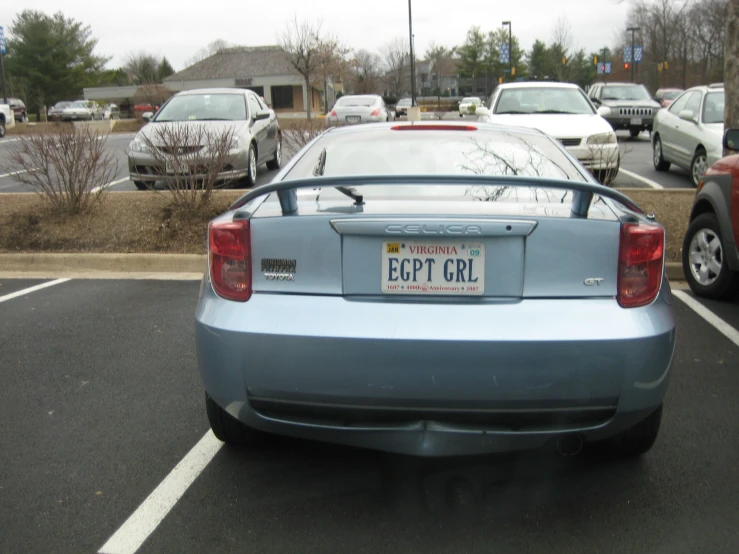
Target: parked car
x,y
143,108
370,296
468,106
563,111
401,108
111,111
625,106
55,112
7,119
256,131
688,133
82,110
362,108
665,96
19,110
710,256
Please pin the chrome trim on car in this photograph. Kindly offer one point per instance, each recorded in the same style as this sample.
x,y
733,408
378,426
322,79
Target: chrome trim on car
x,y
433,227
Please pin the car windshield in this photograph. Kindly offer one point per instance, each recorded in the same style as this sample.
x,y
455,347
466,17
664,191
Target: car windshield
x,y
543,100
62,104
365,101
671,94
625,92
204,107
404,102
473,100
80,104
713,107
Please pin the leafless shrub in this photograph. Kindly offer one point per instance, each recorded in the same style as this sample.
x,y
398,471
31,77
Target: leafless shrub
x,y
608,159
299,132
66,165
192,160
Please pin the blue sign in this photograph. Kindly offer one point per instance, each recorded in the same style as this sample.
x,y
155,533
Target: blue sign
x,y
638,54
2,41
638,51
603,68
608,67
505,54
627,54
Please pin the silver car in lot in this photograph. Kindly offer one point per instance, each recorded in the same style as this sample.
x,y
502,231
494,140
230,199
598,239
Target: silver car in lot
x,y
257,138
363,108
82,110
689,132
436,289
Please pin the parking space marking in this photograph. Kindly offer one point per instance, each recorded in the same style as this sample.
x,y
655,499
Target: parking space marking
x,y
18,172
640,178
32,289
724,328
6,141
152,511
118,182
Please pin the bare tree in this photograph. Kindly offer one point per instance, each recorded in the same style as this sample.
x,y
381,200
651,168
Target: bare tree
x,y
396,59
561,47
332,64
154,95
68,166
366,72
142,68
301,41
731,66
212,48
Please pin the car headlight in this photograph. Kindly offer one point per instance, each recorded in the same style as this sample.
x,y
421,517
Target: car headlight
x,y
603,138
138,145
235,143
604,111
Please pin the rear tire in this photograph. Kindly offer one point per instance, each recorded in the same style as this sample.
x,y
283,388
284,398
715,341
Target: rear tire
x,y
657,159
698,165
637,440
716,284
141,185
2,129
228,429
634,132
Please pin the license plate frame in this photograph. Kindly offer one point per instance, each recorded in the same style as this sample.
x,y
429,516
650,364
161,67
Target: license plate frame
x,y
636,121
353,118
467,261
172,167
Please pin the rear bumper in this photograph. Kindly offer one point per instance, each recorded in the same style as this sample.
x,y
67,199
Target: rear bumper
x,y
393,376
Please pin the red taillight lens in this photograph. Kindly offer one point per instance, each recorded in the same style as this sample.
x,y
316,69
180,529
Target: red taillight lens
x,y
640,264
230,259
333,113
376,112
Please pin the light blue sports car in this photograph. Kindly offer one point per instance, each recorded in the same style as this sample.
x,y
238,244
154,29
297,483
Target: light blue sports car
x,y
436,289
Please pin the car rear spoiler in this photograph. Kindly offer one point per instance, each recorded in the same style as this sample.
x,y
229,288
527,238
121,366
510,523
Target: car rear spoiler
x,y
287,190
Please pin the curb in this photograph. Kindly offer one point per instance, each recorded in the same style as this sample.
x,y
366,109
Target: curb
x,y
148,263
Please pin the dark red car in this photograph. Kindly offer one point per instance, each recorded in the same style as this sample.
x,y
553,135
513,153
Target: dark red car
x,y
710,255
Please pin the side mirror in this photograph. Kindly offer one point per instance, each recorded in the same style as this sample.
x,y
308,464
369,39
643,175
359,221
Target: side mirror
x,y
686,115
731,140
482,110
261,115
146,116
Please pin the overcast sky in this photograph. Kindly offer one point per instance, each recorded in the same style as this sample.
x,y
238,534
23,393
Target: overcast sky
x,y
177,29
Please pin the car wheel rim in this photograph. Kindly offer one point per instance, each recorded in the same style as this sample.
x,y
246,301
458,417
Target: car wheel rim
x,y
700,166
278,153
252,165
657,152
705,256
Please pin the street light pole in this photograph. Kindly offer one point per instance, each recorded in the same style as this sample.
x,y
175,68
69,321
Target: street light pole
x,y
633,52
510,49
413,57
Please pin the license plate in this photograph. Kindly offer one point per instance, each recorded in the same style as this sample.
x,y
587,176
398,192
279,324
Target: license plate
x,y
178,168
433,268
353,118
635,121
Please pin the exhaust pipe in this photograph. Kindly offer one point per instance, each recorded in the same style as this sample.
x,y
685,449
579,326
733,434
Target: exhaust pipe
x,y
569,445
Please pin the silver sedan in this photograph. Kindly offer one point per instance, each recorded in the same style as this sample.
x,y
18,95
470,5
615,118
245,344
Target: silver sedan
x,y
366,108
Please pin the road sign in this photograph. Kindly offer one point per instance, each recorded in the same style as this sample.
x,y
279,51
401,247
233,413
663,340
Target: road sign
x,y
638,51
2,41
627,54
607,68
505,54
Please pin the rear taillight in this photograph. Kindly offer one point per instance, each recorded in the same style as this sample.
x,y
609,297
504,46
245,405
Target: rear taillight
x,y
640,264
376,112
230,259
333,113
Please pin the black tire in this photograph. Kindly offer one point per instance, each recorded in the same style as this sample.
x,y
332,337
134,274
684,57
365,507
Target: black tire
x,y
721,283
2,128
637,440
276,161
24,118
141,185
230,430
657,159
633,133
698,157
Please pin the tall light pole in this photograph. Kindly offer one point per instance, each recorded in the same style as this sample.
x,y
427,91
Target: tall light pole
x,y
633,52
510,48
413,57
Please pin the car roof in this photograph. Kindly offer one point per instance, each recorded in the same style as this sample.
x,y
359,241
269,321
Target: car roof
x,y
538,84
706,88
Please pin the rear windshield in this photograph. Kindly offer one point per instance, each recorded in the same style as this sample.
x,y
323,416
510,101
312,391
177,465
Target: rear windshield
x,y
356,101
80,104
404,102
390,152
713,107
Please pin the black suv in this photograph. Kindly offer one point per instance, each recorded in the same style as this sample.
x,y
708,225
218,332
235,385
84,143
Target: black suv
x,y
625,106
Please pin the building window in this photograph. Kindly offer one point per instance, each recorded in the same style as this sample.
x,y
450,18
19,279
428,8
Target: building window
x,y
282,97
258,90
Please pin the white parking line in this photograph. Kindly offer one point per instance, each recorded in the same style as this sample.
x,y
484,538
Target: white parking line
x,y
6,141
18,172
118,182
724,328
147,517
32,289
640,178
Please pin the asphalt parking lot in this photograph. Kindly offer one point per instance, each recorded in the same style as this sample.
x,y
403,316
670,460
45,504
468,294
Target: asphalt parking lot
x,y
636,163
104,441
